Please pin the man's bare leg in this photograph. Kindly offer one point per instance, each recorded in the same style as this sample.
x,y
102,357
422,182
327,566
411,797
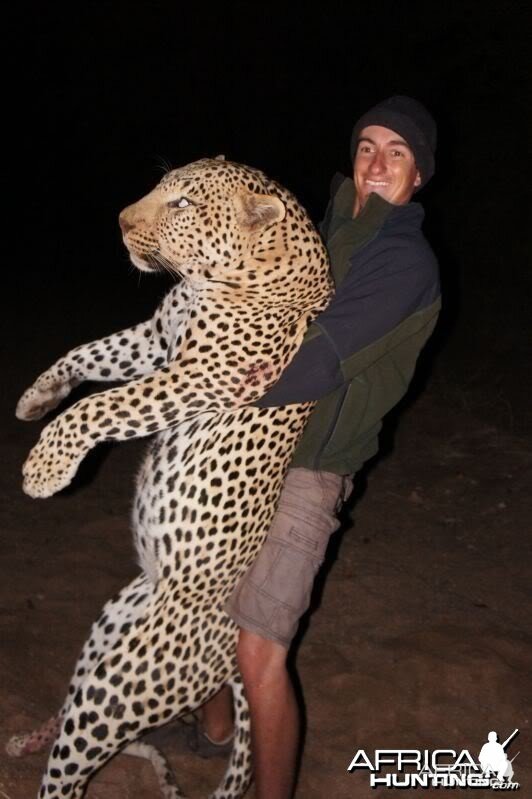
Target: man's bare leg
x,y
217,716
274,715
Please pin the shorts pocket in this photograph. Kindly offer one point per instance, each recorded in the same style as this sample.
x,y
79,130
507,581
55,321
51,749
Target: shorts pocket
x,y
285,568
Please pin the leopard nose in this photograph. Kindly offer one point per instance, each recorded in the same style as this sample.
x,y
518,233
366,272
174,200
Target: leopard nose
x,y
125,226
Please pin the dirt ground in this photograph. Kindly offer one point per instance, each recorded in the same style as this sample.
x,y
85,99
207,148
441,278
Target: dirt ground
x,y
421,635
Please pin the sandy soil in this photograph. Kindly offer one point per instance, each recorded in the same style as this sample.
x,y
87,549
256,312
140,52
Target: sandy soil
x,y
421,637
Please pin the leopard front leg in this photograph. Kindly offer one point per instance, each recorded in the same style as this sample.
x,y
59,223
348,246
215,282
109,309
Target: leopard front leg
x,y
159,401
54,460
46,393
126,355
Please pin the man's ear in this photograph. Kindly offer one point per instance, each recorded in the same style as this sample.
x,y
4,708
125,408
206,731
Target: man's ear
x,y
417,181
258,210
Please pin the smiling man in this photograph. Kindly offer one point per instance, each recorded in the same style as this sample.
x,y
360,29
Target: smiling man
x,y
384,164
357,360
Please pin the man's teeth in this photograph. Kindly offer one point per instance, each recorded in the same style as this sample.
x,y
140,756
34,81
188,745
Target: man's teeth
x,y
377,182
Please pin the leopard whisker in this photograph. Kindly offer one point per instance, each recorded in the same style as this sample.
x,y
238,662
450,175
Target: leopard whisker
x,y
154,262
164,165
168,266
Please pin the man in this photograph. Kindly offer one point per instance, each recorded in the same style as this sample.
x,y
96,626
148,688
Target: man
x,y
357,360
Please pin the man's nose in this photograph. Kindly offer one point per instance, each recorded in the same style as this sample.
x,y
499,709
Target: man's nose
x,y
377,164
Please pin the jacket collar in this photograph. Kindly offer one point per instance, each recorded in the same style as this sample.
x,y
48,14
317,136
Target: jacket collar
x,y
346,236
376,210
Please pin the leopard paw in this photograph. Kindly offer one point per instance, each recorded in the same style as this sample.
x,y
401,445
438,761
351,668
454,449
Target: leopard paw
x,y
43,396
51,464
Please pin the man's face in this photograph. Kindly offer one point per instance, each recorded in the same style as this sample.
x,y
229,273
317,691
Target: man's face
x,y
384,164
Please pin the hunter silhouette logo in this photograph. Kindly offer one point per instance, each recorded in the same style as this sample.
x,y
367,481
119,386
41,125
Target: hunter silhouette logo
x,y
440,768
493,757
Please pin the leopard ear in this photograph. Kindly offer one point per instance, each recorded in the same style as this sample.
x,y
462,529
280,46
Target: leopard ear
x,y
219,157
258,210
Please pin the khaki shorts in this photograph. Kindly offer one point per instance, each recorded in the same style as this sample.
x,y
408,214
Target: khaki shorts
x,y
275,592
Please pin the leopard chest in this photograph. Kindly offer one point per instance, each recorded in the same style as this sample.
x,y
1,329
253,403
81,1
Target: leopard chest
x,y
206,492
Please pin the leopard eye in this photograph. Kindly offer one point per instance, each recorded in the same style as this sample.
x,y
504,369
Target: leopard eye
x,y
181,203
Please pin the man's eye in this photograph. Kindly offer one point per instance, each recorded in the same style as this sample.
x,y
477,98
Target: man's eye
x,y
398,154
181,203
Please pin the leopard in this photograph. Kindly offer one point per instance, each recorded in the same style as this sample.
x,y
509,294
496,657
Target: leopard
x,y
250,274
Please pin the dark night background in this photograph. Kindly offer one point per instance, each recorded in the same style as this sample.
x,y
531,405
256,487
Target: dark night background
x,y
108,94
422,635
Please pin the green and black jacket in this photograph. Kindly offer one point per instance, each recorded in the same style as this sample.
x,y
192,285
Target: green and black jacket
x,y
359,355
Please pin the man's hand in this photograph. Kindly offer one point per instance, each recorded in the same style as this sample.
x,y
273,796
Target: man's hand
x,y
53,461
44,395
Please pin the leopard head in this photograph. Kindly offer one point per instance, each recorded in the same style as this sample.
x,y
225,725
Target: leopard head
x,y
219,224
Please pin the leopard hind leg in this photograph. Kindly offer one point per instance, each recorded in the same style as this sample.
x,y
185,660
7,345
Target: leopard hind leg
x,y
154,673
115,620
116,617
238,775
116,700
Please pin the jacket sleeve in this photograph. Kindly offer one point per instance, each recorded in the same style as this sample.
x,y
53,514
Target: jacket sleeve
x,y
380,291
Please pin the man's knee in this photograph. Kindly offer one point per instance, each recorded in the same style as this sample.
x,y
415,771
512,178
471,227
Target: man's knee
x,y
260,660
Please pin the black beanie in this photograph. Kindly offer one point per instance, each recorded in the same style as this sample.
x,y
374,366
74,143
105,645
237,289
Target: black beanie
x,y
412,122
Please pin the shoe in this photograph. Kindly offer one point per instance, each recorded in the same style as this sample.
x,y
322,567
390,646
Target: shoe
x,y
184,736
200,743
172,736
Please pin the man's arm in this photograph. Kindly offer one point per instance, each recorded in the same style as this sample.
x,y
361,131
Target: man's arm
x,y
368,305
